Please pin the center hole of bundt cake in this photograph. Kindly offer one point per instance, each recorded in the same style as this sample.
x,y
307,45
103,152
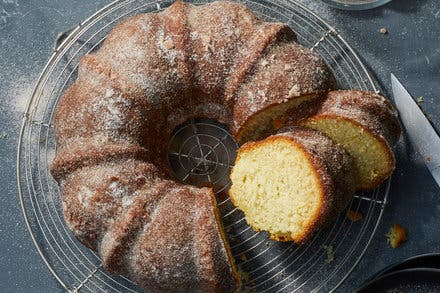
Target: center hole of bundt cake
x,y
203,158
201,152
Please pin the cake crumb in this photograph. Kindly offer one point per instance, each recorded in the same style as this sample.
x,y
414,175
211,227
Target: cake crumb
x,y
420,99
383,31
169,44
330,253
354,216
396,236
243,257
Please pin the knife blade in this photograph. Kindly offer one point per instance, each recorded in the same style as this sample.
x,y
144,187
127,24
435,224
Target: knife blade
x,y
421,133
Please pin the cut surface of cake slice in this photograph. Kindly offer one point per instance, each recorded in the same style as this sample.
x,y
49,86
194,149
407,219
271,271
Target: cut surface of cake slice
x,y
290,183
366,125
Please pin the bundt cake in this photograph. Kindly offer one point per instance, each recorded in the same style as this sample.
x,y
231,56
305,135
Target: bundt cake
x,y
164,236
112,126
290,183
366,125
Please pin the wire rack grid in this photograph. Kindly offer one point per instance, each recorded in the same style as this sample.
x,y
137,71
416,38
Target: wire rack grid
x,y
200,152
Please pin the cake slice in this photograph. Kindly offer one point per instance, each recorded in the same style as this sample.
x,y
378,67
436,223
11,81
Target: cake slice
x,y
366,125
291,183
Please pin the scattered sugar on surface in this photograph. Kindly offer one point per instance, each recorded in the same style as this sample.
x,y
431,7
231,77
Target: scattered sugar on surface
x,y
194,35
84,195
127,201
252,101
295,90
211,110
117,190
167,50
145,26
111,110
19,94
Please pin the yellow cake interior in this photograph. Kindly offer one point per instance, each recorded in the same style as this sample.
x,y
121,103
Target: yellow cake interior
x,y
276,186
371,158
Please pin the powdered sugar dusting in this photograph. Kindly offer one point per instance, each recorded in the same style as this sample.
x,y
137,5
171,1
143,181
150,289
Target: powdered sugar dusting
x,y
127,201
167,50
117,190
19,94
111,109
84,195
194,35
295,90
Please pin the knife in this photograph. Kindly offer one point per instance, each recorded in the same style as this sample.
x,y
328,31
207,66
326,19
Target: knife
x,y
420,132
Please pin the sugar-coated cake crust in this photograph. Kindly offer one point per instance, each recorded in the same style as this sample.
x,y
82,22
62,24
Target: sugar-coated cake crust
x,y
370,111
332,166
112,126
298,74
164,236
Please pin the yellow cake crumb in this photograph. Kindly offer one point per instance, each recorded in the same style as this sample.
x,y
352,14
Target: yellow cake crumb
x,y
371,159
243,257
285,203
168,44
396,236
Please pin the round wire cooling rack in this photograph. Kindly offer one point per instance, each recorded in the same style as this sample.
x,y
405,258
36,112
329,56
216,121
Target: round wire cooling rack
x,y
200,152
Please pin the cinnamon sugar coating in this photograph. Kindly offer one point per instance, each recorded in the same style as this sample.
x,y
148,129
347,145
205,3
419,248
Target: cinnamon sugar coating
x,y
369,109
112,126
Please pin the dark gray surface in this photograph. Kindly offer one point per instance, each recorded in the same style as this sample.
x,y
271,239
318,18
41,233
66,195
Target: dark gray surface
x,y
411,50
